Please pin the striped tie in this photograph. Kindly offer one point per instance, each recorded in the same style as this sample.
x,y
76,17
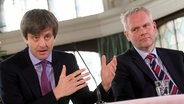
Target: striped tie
x,y
161,75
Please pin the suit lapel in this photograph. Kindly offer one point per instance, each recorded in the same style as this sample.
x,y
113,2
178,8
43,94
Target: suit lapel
x,y
61,58
30,75
168,63
57,64
137,59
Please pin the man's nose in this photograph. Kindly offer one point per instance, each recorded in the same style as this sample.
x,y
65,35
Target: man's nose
x,y
42,42
142,31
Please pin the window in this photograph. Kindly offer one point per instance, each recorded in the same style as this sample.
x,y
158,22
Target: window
x,y
15,9
63,9
171,34
69,9
89,7
93,62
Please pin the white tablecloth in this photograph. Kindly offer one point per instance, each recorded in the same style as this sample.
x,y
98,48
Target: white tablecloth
x,y
170,99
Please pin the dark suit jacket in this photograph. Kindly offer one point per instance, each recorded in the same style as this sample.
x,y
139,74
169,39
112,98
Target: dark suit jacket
x,y
20,85
134,79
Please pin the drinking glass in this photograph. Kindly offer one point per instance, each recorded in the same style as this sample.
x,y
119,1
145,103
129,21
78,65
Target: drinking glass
x,y
162,87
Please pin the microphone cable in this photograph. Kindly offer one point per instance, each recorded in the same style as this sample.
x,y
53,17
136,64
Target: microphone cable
x,y
99,98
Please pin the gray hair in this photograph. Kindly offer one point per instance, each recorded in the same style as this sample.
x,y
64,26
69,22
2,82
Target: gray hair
x,y
124,15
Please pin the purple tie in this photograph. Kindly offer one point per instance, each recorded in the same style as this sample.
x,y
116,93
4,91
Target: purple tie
x,y
45,86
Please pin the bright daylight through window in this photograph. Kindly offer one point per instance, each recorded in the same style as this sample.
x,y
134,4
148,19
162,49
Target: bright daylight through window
x,y
62,9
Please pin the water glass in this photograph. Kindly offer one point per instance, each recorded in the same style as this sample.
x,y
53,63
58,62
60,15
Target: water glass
x,y
162,87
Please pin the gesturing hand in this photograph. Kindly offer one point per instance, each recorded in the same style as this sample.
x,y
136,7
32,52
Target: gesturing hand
x,y
108,72
67,85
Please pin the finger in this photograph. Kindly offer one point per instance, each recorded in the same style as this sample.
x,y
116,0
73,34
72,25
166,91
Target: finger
x,y
114,60
113,63
81,76
63,72
113,72
81,86
76,73
83,81
103,61
111,69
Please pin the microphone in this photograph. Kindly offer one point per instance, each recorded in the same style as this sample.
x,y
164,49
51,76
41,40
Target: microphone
x,y
99,99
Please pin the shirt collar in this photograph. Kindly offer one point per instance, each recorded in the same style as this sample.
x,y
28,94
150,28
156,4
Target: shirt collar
x,y
143,54
35,60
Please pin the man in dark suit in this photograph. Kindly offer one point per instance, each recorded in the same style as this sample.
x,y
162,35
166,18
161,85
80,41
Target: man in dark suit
x,y
40,75
135,77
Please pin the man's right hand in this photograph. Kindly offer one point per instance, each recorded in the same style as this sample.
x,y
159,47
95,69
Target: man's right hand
x,y
68,85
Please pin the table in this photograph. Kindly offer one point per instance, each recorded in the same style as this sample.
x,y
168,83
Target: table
x,y
169,99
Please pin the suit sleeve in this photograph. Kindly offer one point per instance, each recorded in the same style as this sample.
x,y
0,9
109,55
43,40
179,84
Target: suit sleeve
x,y
122,85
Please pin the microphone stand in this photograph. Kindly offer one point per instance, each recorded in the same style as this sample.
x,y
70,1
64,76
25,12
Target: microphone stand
x,y
99,99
